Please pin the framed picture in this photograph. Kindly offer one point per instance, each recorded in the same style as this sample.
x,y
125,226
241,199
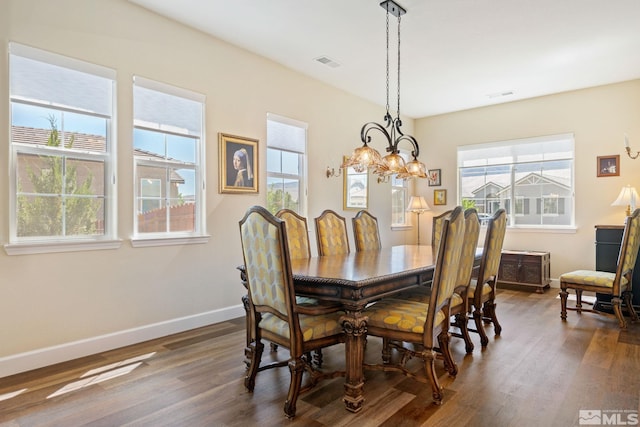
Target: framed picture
x,y
434,177
609,165
238,158
439,197
356,189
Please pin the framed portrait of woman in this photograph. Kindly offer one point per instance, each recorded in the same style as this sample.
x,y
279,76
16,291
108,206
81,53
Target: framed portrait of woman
x,y
238,164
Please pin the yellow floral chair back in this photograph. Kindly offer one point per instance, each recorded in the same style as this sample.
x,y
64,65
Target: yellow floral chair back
x,y
445,276
331,234
496,230
297,234
436,229
471,235
631,243
365,232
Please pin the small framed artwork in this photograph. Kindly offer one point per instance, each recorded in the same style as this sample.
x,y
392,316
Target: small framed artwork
x,y
434,177
238,158
609,165
356,189
439,197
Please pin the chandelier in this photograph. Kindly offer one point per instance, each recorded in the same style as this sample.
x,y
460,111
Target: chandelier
x,y
365,157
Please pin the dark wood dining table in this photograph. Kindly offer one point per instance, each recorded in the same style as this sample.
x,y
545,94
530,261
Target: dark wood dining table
x,y
356,280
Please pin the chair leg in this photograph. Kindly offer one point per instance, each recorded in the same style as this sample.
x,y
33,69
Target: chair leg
x,y
477,317
253,352
296,367
489,311
563,303
449,364
317,358
617,309
429,357
628,300
461,323
579,300
386,351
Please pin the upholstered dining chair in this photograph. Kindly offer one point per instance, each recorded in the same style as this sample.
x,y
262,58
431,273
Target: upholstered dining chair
x,y
436,228
365,232
617,284
459,300
276,315
482,290
416,323
297,234
331,234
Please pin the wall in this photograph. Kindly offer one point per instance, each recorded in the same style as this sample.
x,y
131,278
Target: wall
x,y
55,307
598,117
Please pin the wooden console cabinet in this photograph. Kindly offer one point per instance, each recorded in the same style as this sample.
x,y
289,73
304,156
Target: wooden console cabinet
x,y
528,268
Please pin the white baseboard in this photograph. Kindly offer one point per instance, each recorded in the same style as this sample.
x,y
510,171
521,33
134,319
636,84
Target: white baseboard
x,y
27,361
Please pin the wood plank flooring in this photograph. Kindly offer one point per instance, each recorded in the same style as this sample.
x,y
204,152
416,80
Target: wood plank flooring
x,y
540,372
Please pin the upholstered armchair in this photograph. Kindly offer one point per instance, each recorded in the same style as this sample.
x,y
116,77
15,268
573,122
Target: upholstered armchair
x,y
617,284
419,324
276,316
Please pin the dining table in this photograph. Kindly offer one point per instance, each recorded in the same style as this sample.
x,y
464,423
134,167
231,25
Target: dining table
x,y
356,280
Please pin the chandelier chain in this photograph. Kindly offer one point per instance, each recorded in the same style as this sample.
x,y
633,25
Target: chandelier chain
x,y
387,61
399,66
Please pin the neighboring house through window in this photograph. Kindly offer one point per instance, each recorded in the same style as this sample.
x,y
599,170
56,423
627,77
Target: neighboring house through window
x,y
286,164
62,152
532,179
168,153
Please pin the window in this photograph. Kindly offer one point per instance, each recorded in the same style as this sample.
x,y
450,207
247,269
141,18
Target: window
x,y
62,150
286,164
399,198
532,179
168,151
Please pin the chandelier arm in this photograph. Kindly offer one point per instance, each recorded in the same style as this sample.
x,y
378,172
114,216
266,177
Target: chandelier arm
x,y
416,149
366,138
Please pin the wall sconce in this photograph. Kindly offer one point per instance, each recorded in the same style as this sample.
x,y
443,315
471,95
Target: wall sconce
x,y
628,149
418,205
331,172
627,197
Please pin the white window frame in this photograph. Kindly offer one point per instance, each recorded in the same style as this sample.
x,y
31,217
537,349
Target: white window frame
x,y
198,235
521,152
48,244
296,147
401,185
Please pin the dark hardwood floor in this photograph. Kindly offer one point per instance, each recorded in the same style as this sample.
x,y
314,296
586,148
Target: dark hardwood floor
x,y
540,372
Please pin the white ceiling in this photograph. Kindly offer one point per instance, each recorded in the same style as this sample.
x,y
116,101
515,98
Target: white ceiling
x,y
455,53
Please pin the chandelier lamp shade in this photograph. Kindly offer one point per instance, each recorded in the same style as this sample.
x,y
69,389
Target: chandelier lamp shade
x,y
366,157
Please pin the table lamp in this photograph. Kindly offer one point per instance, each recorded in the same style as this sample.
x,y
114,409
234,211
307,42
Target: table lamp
x,y
418,205
627,197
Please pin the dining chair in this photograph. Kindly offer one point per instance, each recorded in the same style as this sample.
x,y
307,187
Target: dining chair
x,y
365,232
276,315
297,234
617,284
459,300
482,289
331,234
436,228
416,323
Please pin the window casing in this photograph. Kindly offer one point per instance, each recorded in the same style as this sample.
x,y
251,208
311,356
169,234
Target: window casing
x,y
62,151
399,198
168,151
286,164
532,179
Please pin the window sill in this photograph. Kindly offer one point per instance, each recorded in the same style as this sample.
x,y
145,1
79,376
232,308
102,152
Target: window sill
x,y
540,229
53,247
163,240
401,227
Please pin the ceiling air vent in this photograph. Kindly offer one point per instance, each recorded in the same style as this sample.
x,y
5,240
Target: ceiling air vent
x,y
327,61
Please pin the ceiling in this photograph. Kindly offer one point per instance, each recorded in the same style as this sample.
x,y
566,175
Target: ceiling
x,y
455,54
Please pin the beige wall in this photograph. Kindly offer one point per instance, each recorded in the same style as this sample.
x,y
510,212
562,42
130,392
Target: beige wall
x,y
598,117
56,306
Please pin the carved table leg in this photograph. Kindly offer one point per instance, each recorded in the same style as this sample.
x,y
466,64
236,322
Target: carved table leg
x,y
355,327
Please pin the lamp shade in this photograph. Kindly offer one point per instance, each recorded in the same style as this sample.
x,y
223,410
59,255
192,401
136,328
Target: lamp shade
x,y
418,204
628,197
